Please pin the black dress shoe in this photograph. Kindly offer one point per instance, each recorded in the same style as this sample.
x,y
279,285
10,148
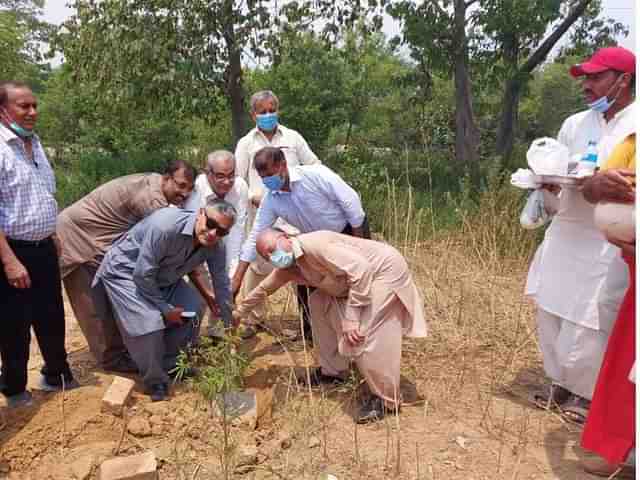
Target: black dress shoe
x,y
373,410
318,378
159,392
121,365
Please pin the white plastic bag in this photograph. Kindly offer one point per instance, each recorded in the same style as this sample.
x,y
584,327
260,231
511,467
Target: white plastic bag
x,y
547,156
534,214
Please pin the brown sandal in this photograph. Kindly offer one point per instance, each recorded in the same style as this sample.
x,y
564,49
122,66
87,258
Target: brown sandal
x,y
576,409
553,397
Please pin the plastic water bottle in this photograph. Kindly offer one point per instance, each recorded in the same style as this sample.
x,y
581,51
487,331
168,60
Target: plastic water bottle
x,y
589,161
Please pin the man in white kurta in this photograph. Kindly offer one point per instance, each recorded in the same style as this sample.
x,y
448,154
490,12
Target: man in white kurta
x,y
365,301
267,133
577,279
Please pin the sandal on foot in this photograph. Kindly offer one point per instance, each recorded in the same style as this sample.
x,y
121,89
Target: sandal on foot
x,y
576,409
552,397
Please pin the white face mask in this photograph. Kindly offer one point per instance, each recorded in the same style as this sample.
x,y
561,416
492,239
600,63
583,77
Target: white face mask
x,y
603,104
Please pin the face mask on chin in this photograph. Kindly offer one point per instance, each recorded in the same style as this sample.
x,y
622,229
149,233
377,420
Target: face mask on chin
x,y
13,125
603,104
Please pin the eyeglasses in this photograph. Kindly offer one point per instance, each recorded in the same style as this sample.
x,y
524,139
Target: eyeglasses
x,y
213,225
221,176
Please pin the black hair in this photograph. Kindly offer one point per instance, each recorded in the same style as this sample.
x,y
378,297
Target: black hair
x,y
266,156
174,165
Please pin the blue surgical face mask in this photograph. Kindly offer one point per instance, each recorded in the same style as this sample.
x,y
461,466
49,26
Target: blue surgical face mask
x,y
267,121
603,104
273,182
21,132
281,258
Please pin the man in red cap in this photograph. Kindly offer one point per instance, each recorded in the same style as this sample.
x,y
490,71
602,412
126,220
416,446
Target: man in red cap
x,y
577,279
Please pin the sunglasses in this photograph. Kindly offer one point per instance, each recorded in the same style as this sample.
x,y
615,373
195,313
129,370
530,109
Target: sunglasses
x,y
213,225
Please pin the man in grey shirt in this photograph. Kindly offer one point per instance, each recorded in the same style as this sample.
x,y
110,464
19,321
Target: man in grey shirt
x,y
142,276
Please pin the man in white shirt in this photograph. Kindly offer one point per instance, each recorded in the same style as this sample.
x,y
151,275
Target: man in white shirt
x,y
577,279
268,133
220,181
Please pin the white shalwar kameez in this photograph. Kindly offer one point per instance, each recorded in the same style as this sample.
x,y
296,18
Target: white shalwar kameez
x,y
577,279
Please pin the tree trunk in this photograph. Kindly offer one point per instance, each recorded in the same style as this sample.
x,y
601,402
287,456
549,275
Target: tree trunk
x,y
467,134
513,86
510,97
233,76
235,92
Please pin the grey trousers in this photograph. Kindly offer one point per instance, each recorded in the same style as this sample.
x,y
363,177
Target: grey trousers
x,y
93,312
156,353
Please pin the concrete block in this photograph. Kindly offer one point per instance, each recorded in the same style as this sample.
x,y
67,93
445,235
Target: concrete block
x,y
117,395
136,467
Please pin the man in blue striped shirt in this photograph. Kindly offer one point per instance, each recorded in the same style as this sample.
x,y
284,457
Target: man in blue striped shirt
x,y
30,288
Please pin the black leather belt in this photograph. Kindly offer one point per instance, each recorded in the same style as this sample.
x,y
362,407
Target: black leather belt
x,y
29,243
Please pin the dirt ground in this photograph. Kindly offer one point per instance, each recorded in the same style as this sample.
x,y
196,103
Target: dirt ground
x,y
465,415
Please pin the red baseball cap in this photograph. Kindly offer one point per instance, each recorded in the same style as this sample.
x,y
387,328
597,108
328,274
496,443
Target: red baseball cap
x,y
610,58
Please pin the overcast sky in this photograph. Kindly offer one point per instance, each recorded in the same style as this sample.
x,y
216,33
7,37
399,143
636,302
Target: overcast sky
x,y
56,11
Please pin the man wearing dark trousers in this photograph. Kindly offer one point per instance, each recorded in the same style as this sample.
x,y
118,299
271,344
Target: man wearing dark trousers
x,y
30,289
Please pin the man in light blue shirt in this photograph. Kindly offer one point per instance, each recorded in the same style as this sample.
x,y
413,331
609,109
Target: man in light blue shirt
x,y
309,197
142,276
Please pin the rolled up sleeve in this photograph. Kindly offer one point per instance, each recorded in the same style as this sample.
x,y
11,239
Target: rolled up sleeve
x,y
265,218
347,198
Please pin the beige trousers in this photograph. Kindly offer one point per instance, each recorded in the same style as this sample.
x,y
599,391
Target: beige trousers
x,y
378,359
93,313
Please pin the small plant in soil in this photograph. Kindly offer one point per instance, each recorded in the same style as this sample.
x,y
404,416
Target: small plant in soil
x,y
216,368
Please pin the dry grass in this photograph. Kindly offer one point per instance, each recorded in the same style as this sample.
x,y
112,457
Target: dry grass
x,y
465,414
469,379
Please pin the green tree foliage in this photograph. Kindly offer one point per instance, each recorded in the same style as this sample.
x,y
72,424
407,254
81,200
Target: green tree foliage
x,y
175,59
20,34
553,95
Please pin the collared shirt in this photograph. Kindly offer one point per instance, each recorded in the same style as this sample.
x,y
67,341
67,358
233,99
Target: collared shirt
x,y
294,146
319,200
579,129
28,207
88,227
159,251
238,196
576,274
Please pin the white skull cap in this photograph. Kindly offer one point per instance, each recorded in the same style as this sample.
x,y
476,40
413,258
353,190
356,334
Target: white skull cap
x,y
547,156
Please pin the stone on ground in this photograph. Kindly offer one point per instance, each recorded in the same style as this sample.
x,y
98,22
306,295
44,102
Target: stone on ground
x,y
117,395
136,467
139,427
